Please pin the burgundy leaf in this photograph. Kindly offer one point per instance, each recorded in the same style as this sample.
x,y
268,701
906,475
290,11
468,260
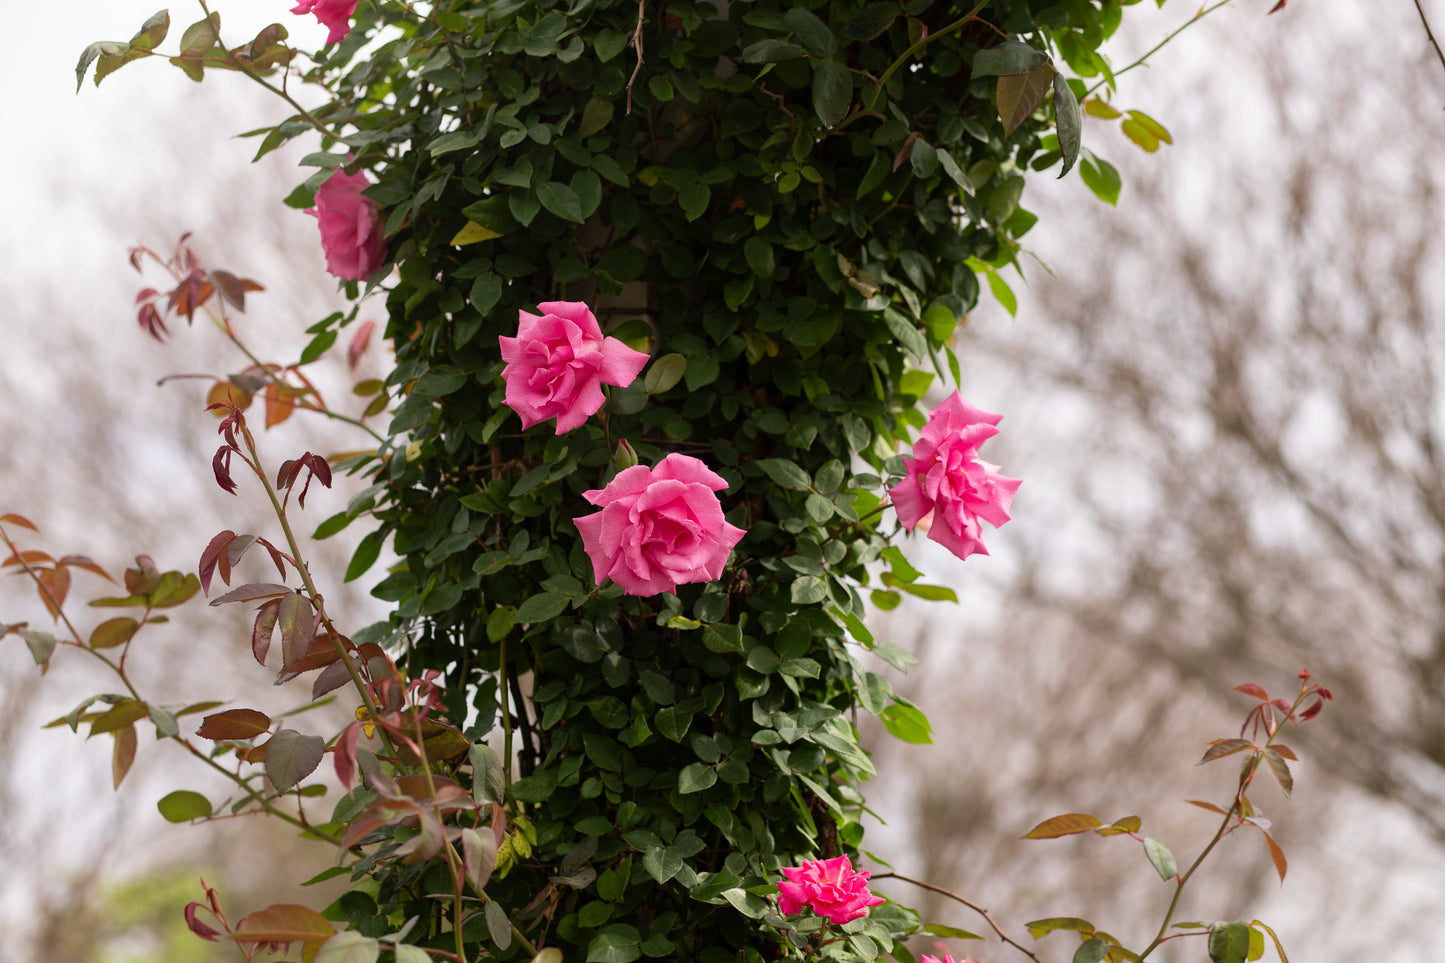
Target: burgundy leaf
x,y
213,555
252,590
358,344
1249,688
261,631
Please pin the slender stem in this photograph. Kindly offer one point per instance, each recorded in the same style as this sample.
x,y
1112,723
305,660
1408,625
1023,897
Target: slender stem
x,y
1199,14
278,91
1430,34
973,906
506,715
356,680
135,694
918,45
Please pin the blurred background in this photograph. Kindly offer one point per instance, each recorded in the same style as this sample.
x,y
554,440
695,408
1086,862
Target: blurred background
x,y
1224,396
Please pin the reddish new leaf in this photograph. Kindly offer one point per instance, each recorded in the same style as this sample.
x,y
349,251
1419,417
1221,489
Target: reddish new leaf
x,y
29,558
221,468
284,923
1219,748
321,654
1065,825
215,557
234,724
1250,689
344,754
85,562
297,621
358,344
1276,9
251,591
1206,805
122,754
1276,854
1280,768
197,927
53,588
20,520
261,631
1285,751
280,402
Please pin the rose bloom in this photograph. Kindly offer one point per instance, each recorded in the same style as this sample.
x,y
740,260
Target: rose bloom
x,y
831,886
946,489
659,527
351,227
558,362
946,958
335,15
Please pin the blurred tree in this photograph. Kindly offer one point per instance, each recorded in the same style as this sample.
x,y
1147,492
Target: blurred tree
x,y
1235,400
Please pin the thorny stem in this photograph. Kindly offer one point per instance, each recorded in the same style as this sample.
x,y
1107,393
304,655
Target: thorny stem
x,y
973,906
1245,777
225,328
119,671
254,462
1199,14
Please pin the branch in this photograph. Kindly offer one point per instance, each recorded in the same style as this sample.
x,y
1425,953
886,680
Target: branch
x,y
637,45
1430,34
973,906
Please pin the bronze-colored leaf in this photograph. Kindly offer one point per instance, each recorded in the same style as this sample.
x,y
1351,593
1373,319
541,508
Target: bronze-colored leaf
x,y
234,724
284,923
1019,95
1220,748
122,754
113,632
1065,825
262,630
297,622
1281,865
20,520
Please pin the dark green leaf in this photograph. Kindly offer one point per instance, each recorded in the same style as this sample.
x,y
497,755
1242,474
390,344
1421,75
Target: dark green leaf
x,y
540,608
561,200
665,372
1070,122
1009,58
772,51
785,473
1091,951
832,91
1229,942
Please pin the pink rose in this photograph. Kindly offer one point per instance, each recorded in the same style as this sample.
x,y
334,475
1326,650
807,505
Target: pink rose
x,y
830,886
946,489
946,958
335,15
659,527
351,228
558,362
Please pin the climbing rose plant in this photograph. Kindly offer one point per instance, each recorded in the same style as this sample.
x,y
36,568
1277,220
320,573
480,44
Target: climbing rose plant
x,y
752,233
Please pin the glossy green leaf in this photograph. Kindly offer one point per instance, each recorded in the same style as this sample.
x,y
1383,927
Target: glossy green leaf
x,y
1069,121
182,805
1007,59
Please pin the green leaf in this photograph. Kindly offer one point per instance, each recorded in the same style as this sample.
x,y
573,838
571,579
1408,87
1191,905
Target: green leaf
x,y
907,723
1007,59
1070,122
1091,951
1040,928
542,607
291,757
616,944
832,91
665,372
950,932
906,332
348,946
366,554
812,31
694,199
1001,291
759,255
1160,858
561,200
595,116
695,777
407,953
183,805
1100,177
1229,942
955,173
808,590
772,51
786,473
